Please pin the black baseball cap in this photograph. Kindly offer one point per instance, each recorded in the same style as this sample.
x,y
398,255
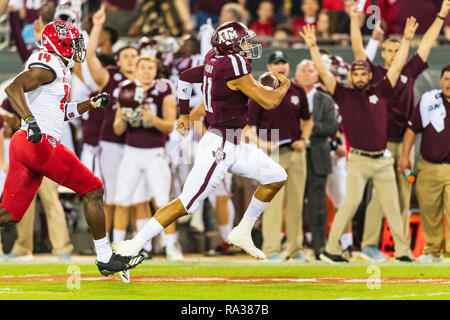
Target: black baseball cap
x,y
277,56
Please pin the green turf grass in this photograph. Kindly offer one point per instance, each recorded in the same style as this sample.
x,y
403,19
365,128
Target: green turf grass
x,y
228,291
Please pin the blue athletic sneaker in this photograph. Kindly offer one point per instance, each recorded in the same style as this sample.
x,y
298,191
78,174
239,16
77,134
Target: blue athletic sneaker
x,y
275,257
371,253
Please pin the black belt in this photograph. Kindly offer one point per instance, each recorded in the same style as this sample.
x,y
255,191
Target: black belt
x,y
365,154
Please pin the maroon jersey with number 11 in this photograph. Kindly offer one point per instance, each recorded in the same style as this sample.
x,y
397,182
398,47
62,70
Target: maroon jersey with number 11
x,y
225,108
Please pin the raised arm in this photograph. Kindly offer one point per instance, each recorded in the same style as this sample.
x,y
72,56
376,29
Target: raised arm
x,y
98,72
356,35
372,45
430,37
309,34
400,59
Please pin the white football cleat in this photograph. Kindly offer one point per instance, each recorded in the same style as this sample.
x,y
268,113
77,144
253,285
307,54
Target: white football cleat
x,y
125,276
243,240
128,247
173,253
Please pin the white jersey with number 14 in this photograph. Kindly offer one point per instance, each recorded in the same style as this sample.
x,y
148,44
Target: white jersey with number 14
x,y
48,102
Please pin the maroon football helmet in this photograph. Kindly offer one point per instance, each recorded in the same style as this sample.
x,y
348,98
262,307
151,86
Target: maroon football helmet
x,y
131,94
235,37
339,66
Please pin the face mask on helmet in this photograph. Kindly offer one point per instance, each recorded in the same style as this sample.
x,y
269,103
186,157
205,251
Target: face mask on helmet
x,y
249,49
79,51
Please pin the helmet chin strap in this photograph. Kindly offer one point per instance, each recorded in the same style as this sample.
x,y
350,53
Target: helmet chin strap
x,y
70,61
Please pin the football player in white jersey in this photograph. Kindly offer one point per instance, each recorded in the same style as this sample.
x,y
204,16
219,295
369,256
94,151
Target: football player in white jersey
x,y
39,95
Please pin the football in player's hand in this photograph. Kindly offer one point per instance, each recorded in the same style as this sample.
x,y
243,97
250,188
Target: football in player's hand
x,y
268,80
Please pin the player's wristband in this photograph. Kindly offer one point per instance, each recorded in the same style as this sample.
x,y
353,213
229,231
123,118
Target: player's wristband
x,y
29,119
72,110
438,16
184,106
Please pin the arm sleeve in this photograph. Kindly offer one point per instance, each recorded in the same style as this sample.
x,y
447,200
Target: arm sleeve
x,y
378,71
384,87
415,66
415,120
186,84
253,113
371,49
45,60
339,96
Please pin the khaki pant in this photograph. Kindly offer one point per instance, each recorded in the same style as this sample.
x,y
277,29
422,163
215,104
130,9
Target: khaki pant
x,y
293,191
381,171
57,226
433,195
374,212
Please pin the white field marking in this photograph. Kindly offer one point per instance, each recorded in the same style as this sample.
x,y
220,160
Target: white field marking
x,y
28,275
9,290
431,294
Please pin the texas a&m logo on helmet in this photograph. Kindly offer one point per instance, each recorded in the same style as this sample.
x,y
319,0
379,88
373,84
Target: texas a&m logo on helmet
x,y
234,37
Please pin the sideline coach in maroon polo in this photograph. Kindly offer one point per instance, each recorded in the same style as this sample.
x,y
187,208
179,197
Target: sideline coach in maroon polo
x,y
364,114
400,106
431,118
293,122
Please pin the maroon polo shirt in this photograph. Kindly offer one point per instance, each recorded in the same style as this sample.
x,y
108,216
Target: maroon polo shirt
x,y
435,146
364,114
401,102
150,137
286,117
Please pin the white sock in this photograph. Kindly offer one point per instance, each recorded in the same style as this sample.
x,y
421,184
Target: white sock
x,y
135,233
103,250
255,208
346,240
169,239
224,230
148,246
119,235
150,230
140,223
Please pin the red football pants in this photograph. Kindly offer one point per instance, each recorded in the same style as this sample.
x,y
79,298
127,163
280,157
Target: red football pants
x,y
30,162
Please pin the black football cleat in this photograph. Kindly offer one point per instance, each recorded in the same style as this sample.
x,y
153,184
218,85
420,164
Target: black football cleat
x,y
403,259
332,258
118,263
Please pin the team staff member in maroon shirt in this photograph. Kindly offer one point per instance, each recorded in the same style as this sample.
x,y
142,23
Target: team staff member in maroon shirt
x,y
431,117
400,106
291,115
364,114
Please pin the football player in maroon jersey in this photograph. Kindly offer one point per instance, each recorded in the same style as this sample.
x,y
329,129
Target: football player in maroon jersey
x,y
227,85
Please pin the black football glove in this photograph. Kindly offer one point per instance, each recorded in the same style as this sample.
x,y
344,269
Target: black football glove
x,y
99,101
34,134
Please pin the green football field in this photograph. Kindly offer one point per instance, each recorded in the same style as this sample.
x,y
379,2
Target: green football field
x,y
242,279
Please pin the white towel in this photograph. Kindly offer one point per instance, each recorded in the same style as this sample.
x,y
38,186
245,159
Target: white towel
x,y
432,110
